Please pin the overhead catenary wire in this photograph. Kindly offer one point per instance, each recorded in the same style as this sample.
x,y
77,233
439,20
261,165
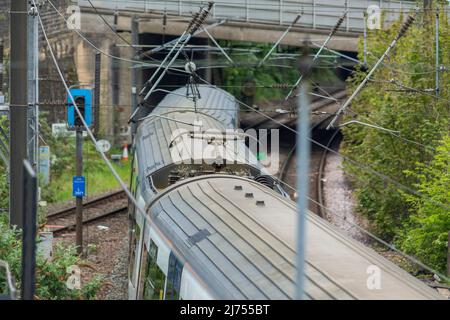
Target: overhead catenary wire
x,y
193,26
362,166
196,22
137,49
391,132
297,18
88,130
400,34
370,234
324,44
102,51
90,133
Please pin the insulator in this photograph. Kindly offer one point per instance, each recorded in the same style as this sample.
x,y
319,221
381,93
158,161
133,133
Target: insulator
x,y
200,18
194,18
281,85
338,24
296,19
406,26
190,67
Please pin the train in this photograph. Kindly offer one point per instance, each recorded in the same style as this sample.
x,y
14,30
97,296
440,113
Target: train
x,y
217,225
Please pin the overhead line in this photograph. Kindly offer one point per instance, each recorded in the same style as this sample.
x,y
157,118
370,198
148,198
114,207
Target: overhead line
x,y
88,130
358,164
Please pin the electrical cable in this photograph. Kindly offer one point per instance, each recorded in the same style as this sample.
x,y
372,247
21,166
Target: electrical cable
x,y
137,50
88,130
356,163
370,234
103,52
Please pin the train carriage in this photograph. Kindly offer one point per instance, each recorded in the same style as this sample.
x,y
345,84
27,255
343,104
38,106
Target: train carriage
x,y
217,231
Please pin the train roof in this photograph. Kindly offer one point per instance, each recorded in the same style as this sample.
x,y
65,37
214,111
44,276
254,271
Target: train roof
x,y
155,135
216,102
239,236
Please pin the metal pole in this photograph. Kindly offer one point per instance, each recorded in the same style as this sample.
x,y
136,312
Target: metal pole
x,y
303,154
333,31
1,72
18,107
97,75
365,38
79,199
437,51
218,46
29,231
33,87
134,100
280,39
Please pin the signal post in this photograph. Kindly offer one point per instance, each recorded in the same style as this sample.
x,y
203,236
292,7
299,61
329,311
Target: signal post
x,y
79,198
83,100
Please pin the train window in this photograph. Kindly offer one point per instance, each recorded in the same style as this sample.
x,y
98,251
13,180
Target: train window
x,y
154,278
134,242
174,278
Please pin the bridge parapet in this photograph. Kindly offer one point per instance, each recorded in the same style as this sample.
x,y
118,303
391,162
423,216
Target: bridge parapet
x,y
316,14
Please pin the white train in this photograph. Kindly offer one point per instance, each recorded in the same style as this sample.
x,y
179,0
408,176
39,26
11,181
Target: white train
x,y
218,227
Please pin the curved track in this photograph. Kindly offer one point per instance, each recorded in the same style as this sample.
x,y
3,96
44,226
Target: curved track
x,y
318,160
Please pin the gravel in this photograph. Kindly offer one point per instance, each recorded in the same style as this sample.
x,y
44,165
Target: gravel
x,y
338,195
106,243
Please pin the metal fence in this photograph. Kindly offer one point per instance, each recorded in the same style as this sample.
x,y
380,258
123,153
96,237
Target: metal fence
x,y
317,14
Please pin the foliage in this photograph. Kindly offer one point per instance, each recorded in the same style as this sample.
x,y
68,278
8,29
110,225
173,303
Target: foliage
x,y
417,116
4,190
51,274
426,232
98,176
283,71
4,184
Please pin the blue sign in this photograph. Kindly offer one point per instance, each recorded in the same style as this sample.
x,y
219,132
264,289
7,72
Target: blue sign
x,y
77,93
78,186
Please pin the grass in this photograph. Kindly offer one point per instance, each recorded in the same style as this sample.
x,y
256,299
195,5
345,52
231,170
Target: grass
x,y
99,178
97,182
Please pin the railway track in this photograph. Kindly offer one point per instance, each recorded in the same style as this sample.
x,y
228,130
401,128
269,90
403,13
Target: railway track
x,y
93,210
317,164
317,105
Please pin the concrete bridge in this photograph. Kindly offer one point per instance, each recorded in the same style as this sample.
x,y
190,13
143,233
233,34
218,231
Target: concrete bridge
x,y
251,20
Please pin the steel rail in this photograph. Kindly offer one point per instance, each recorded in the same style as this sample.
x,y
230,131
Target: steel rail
x,y
89,204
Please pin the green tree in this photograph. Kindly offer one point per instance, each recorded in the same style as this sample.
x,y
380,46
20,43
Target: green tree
x,y
425,234
415,113
51,275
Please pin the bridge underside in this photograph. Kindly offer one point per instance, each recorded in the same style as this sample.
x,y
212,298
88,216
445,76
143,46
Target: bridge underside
x,y
239,31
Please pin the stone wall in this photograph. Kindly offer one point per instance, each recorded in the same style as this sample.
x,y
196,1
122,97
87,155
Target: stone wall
x,y
76,59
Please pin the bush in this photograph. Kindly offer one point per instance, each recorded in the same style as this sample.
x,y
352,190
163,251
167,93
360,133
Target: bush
x,y
425,234
51,275
418,116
